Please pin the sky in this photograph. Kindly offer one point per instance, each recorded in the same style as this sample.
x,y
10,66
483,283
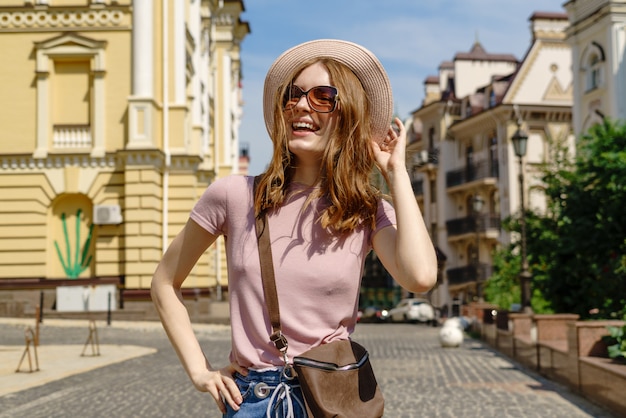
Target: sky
x,y
410,38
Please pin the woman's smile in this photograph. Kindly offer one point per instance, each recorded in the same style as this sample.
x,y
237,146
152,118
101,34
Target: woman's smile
x,y
309,129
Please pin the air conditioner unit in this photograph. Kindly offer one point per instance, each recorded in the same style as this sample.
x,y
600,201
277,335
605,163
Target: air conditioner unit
x,y
107,215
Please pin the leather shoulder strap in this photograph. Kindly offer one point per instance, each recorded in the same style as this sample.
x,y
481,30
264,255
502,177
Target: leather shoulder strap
x,y
267,275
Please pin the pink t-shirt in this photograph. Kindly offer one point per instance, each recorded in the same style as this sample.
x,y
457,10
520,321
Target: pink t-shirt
x,y
318,276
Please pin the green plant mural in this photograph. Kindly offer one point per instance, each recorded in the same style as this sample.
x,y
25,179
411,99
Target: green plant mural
x,y
74,263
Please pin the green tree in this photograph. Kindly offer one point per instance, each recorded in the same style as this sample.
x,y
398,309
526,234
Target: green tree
x,y
503,287
579,248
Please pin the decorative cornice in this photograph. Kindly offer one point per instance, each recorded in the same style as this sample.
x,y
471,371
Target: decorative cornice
x,y
29,163
55,19
154,158
185,163
142,157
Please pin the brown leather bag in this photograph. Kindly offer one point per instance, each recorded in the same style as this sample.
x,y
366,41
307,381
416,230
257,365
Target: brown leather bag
x,y
337,379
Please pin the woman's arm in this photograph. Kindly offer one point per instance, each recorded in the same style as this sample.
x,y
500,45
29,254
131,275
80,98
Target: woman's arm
x,y
177,262
405,250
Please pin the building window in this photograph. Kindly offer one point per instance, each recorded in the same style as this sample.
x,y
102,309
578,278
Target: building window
x,y
71,104
593,66
70,94
492,99
595,74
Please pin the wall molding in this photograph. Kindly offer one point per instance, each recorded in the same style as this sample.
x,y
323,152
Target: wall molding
x,y
56,19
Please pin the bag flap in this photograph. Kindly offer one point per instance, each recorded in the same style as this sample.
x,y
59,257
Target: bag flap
x,y
338,353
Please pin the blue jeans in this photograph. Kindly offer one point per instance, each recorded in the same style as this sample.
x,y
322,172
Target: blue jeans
x,y
265,392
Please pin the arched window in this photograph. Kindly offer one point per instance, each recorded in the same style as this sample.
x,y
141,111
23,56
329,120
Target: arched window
x,y
592,63
594,73
71,237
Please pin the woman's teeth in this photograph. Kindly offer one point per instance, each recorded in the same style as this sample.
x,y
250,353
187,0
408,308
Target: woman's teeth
x,y
303,125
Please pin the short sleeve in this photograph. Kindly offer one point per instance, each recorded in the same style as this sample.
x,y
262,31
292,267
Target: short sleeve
x,y
385,216
210,210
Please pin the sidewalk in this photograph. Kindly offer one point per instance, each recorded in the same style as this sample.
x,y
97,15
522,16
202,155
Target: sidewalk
x,y
416,375
60,361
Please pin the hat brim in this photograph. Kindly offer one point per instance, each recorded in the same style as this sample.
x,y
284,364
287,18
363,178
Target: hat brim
x,y
361,61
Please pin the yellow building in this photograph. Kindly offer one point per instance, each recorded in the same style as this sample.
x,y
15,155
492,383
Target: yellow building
x,y
114,117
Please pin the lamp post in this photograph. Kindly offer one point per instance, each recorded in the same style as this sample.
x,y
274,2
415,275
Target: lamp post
x,y
519,140
477,206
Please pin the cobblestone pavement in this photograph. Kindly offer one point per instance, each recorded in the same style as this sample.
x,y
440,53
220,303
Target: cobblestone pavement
x,y
417,376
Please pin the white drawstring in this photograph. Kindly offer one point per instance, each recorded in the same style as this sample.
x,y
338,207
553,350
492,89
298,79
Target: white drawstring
x,y
282,392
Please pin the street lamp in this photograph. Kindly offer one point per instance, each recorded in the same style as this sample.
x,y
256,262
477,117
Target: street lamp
x,y
520,139
477,206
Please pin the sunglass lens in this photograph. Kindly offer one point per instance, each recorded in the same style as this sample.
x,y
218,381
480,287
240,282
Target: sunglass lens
x,y
322,98
292,96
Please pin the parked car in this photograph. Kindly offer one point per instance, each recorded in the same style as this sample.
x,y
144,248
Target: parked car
x,y
373,314
412,310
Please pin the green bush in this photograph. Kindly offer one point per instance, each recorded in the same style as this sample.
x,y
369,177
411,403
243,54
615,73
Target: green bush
x,y
616,342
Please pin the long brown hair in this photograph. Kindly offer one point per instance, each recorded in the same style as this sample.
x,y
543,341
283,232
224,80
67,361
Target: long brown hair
x,y
347,162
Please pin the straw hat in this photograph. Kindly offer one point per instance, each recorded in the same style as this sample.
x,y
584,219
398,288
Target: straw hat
x,y
361,61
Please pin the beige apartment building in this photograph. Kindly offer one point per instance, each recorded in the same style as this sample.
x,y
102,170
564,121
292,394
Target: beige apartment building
x,y
114,117
465,172
597,36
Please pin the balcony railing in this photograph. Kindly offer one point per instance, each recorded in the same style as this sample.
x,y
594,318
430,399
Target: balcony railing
x,y
469,274
71,136
471,224
429,156
472,172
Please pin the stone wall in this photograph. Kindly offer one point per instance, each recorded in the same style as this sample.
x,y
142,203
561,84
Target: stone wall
x,y
563,349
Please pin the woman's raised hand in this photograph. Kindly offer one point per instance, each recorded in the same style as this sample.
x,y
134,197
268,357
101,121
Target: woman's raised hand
x,y
390,153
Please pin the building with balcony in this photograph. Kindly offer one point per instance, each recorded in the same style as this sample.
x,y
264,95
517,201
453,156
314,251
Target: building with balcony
x,y
460,154
115,117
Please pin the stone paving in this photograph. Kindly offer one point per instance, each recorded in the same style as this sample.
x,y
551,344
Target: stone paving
x,y
417,376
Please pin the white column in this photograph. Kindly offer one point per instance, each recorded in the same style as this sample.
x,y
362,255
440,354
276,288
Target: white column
x,y
226,111
143,48
617,57
140,104
180,53
196,32
98,125
41,150
578,81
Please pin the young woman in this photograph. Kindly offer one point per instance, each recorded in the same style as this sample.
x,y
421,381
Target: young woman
x,y
327,107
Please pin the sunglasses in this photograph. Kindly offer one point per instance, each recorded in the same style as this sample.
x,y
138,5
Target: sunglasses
x,y
322,99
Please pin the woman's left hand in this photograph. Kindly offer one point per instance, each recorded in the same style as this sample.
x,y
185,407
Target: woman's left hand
x,y
390,153
405,248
